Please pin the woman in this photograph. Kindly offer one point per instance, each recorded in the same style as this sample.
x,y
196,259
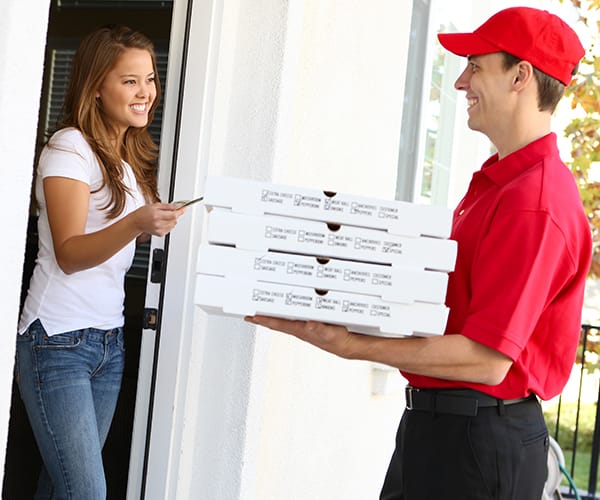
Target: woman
x,y
96,189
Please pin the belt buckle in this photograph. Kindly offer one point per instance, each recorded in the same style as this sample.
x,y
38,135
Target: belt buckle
x,y
408,396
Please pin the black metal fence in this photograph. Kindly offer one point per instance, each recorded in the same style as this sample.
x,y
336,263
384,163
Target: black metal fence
x,y
575,425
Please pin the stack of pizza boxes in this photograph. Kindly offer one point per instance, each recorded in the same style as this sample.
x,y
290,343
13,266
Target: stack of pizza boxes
x,y
379,267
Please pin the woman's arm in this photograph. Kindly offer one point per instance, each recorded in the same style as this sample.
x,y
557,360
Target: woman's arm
x,y
67,202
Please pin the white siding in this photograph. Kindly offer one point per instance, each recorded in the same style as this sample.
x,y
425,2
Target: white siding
x,y
22,55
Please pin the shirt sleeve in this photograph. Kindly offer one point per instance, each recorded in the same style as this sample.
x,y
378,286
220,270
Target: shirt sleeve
x,y
521,264
67,155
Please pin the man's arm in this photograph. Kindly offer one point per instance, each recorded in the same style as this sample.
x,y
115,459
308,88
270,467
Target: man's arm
x,y
451,357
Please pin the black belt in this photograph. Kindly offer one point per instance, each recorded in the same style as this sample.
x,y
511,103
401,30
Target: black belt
x,y
464,402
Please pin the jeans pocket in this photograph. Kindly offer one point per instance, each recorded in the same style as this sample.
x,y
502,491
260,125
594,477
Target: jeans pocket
x,y
29,334
25,343
67,340
24,337
121,339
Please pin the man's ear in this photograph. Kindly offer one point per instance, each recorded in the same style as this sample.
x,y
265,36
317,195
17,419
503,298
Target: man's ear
x,y
523,75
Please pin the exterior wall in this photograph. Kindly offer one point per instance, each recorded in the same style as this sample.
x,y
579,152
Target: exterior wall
x,y
225,375
229,386
22,54
324,434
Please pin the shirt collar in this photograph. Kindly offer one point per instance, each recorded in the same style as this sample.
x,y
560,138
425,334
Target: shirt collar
x,y
503,171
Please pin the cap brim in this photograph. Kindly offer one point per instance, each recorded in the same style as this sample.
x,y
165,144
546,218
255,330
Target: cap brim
x,y
466,44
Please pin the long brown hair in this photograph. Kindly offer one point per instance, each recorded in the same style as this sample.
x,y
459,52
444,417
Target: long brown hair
x,y
95,57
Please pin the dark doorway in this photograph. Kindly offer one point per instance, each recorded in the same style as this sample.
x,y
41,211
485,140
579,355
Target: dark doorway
x,y
69,21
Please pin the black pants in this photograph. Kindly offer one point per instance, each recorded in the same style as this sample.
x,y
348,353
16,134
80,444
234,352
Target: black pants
x,y
500,454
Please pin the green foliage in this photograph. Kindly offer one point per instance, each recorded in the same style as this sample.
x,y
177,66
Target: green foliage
x,y
584,95
591,362
581,474
566,431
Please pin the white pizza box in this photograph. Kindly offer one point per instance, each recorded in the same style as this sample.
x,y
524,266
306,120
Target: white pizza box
x,y
359,313
288,234
259,198
391,283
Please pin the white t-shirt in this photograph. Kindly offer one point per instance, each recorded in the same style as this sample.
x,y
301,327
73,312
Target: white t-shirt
x,y
93,297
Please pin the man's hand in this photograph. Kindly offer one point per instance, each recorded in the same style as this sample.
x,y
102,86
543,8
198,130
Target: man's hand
x,y
451,357
331,338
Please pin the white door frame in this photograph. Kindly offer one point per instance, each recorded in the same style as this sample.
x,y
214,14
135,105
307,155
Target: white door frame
x,y
164,356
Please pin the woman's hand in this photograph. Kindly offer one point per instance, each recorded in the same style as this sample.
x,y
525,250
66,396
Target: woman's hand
x,y
156,219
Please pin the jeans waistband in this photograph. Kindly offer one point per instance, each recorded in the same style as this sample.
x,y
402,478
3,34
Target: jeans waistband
x,y
465,402
37,330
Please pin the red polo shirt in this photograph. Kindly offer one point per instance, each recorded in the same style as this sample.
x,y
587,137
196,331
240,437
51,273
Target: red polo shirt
x,y
524,250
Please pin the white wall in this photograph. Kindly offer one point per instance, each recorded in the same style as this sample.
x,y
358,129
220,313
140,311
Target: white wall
x,y
244,416
210,371
21,53
323,433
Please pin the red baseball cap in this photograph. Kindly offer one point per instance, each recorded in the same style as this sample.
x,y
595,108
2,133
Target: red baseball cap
x,y
534,35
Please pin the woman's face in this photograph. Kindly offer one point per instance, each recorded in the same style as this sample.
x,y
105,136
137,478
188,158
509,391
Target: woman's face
x,y
128,91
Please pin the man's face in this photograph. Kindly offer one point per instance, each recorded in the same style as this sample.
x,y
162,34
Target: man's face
x,y
487,85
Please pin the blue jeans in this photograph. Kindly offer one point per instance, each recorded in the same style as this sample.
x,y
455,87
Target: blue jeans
x,y
69,384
